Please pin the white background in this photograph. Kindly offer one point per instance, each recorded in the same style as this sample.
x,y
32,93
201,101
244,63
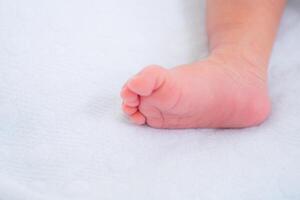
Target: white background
x,y
63,136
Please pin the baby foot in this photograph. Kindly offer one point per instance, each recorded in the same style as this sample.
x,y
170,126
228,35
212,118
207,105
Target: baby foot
x,y
214,93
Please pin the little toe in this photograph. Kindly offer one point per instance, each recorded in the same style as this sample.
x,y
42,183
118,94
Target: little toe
x,y
148,80
138,118
155,122
129,110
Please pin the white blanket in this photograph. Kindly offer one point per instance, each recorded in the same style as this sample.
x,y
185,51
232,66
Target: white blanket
x,y
62,133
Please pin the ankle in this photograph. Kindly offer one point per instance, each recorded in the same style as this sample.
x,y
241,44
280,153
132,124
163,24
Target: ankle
x,y
241,59
248,52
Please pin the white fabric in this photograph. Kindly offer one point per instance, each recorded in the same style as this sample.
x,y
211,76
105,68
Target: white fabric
x,y
62,134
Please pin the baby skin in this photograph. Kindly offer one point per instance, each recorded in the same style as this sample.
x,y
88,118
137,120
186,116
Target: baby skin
x,y
228,89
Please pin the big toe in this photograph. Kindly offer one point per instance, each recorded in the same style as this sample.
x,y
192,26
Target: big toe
x,y
149,79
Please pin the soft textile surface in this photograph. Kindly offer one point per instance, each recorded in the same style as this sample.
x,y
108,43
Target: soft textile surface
x,y
63,136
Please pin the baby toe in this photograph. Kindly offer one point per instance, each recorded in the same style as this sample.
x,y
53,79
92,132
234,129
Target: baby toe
x,y
155,122
138,118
